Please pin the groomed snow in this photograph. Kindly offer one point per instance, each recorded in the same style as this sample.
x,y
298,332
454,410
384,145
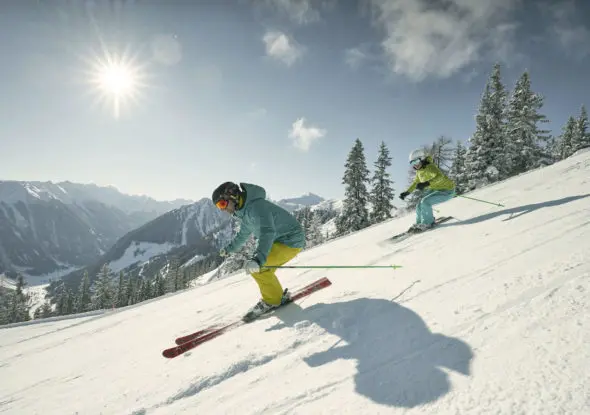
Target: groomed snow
x,y
489,314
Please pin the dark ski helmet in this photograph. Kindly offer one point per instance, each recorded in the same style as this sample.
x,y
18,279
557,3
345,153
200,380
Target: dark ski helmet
x,y
224,192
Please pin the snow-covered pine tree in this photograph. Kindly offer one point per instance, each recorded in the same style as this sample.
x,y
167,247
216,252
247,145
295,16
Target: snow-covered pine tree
x,y
355,214
485,161
103,294
314,235
19,306
457,172
497,123
526,147
564,146
581,138
382,193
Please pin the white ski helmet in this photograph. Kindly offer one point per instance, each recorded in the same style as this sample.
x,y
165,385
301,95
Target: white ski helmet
x,y
417,154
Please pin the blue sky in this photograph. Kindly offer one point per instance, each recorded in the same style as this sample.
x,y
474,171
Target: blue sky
x,y
273,94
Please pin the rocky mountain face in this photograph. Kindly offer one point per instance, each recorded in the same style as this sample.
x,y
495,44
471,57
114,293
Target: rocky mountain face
x,y
49,228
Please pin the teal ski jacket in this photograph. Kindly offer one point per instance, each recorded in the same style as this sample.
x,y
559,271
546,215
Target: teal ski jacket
x,y
268,222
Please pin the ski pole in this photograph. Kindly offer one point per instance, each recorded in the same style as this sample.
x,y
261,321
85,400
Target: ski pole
x,y
483,201
332,266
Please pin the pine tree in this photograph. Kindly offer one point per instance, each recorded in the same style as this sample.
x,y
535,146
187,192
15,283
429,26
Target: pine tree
x,y
485,162
581,138
131,290
355,214
382,193
526,148
314,236
457,172
172,276
159,285
497,122
121,294
564,145
19,306
103,295
83,303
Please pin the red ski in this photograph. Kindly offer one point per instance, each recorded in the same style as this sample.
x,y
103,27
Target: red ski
x,y
193,340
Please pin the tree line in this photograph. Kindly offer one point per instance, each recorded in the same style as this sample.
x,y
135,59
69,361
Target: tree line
x,y
508,140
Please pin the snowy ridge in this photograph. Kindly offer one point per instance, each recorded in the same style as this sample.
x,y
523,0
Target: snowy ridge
x,y
487,315
76,193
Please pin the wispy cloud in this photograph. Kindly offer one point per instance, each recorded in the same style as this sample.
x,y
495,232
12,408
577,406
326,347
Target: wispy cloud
x,y
304,135
282,47
438,39
354,57
362,54
568,28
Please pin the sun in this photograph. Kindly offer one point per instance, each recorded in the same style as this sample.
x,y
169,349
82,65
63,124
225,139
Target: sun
x,y
117,79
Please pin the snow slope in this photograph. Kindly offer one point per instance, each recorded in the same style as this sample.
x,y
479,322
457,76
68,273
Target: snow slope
x,y
489,314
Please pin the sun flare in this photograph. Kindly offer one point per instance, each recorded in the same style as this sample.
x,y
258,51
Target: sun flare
x,y
118,80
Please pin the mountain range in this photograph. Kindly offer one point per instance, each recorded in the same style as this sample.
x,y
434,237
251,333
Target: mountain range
x,y
48,228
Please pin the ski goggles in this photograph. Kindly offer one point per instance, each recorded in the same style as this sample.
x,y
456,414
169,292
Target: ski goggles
x,y
221,204
415,162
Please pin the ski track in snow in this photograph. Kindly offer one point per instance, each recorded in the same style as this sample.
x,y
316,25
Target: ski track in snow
x,y
487,316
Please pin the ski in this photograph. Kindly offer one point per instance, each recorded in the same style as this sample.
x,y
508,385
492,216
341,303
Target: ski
x,y
407,234
189,342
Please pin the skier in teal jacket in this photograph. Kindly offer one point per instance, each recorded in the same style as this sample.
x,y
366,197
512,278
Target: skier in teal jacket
x,y
280,237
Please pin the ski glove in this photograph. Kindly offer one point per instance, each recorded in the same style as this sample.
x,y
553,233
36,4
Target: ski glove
x,y
403,195
222,252
252,266
421,186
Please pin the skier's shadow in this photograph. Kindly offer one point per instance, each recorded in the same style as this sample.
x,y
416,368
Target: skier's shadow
x,y
399,359
516,211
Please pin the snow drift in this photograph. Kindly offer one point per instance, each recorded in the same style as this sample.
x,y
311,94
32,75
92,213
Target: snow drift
x,y
487,315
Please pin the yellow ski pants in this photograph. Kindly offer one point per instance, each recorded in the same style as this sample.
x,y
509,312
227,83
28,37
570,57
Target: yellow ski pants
x,y
270,287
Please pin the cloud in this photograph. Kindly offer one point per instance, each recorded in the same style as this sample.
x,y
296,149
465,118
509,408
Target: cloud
x,y
354,57
303,136
438,39
166,49
361,54
282,47
567,28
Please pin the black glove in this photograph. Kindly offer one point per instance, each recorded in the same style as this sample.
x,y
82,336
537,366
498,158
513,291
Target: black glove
x,y
421,186
403,195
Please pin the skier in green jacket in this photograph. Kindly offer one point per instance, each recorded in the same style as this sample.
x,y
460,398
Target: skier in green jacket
x,y
439,189
280,238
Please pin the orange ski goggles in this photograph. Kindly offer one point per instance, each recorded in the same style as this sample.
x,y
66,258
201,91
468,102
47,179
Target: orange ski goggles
x,y
222,204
